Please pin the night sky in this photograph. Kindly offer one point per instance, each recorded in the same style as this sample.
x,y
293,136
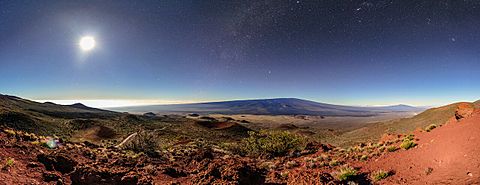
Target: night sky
x,y
333,51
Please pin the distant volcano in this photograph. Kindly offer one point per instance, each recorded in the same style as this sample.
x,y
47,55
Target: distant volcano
x,y
278,106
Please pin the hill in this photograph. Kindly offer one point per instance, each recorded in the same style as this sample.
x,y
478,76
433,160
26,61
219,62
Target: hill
x,y
477,103
374,131
278,106
47,118
78,122
13,103
449,151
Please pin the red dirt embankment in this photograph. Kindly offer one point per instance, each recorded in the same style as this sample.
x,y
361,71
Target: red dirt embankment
x,y
24,160
446,155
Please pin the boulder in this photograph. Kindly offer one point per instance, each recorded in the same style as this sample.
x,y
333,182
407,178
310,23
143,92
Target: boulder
x,y
464,110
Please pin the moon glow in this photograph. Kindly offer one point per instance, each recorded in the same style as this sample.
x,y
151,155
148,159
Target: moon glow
x,y
87,43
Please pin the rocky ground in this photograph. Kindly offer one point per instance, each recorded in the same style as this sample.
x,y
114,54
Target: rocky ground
x,y
28,160
444,155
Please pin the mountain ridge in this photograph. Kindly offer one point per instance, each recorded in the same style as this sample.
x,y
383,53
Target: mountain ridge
x,y
273,106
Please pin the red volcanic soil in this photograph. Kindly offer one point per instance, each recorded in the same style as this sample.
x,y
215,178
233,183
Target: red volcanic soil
x,y
446,155
449,154
86,163
19,173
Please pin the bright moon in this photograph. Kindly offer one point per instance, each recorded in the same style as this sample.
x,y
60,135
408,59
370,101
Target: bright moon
x,y
87,43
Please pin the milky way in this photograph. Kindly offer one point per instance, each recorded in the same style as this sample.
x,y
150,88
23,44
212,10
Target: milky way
x,y
348,52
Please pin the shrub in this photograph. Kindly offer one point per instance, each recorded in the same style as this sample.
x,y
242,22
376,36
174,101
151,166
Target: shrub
x,y
271,143
364,157
407,144
409,137
8,163
308,159
322,164
311,165
268,166
379,175
323,157
292,164
430,127
428,171
392,148
146,142
346,173
284,174
381,149
334,163
10,132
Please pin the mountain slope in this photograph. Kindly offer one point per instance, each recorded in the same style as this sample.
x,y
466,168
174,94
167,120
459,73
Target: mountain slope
x,y
450,152
374,131
279,106
52,119
13,103
78,122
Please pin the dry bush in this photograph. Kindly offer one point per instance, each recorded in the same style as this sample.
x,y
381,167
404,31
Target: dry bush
x,y
407,144
271,143
144,141
430,127
379,175
346,173
392,148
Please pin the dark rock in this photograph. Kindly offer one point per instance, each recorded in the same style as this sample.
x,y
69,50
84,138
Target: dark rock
x,y
193,115
244,121
172,172
50,176
58,162
326,178
89,175
32,165
90,144
130,178
150,114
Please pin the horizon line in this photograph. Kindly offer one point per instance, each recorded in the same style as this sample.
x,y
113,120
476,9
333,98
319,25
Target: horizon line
x,y
114,103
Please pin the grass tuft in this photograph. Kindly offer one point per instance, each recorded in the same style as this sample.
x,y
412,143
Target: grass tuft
x,y
8,164
392,148
407,144
379,175
346,173
430,127
333,163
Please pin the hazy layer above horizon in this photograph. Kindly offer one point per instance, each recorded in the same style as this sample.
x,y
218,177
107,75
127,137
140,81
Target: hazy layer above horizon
x,y
139,103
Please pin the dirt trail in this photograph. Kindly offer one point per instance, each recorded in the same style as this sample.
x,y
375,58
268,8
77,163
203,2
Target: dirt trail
x,y
447,155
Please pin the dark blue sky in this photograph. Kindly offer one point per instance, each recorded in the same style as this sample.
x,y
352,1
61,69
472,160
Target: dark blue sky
x,y
334,51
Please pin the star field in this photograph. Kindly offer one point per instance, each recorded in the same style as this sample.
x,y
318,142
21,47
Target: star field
x,y
335,51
